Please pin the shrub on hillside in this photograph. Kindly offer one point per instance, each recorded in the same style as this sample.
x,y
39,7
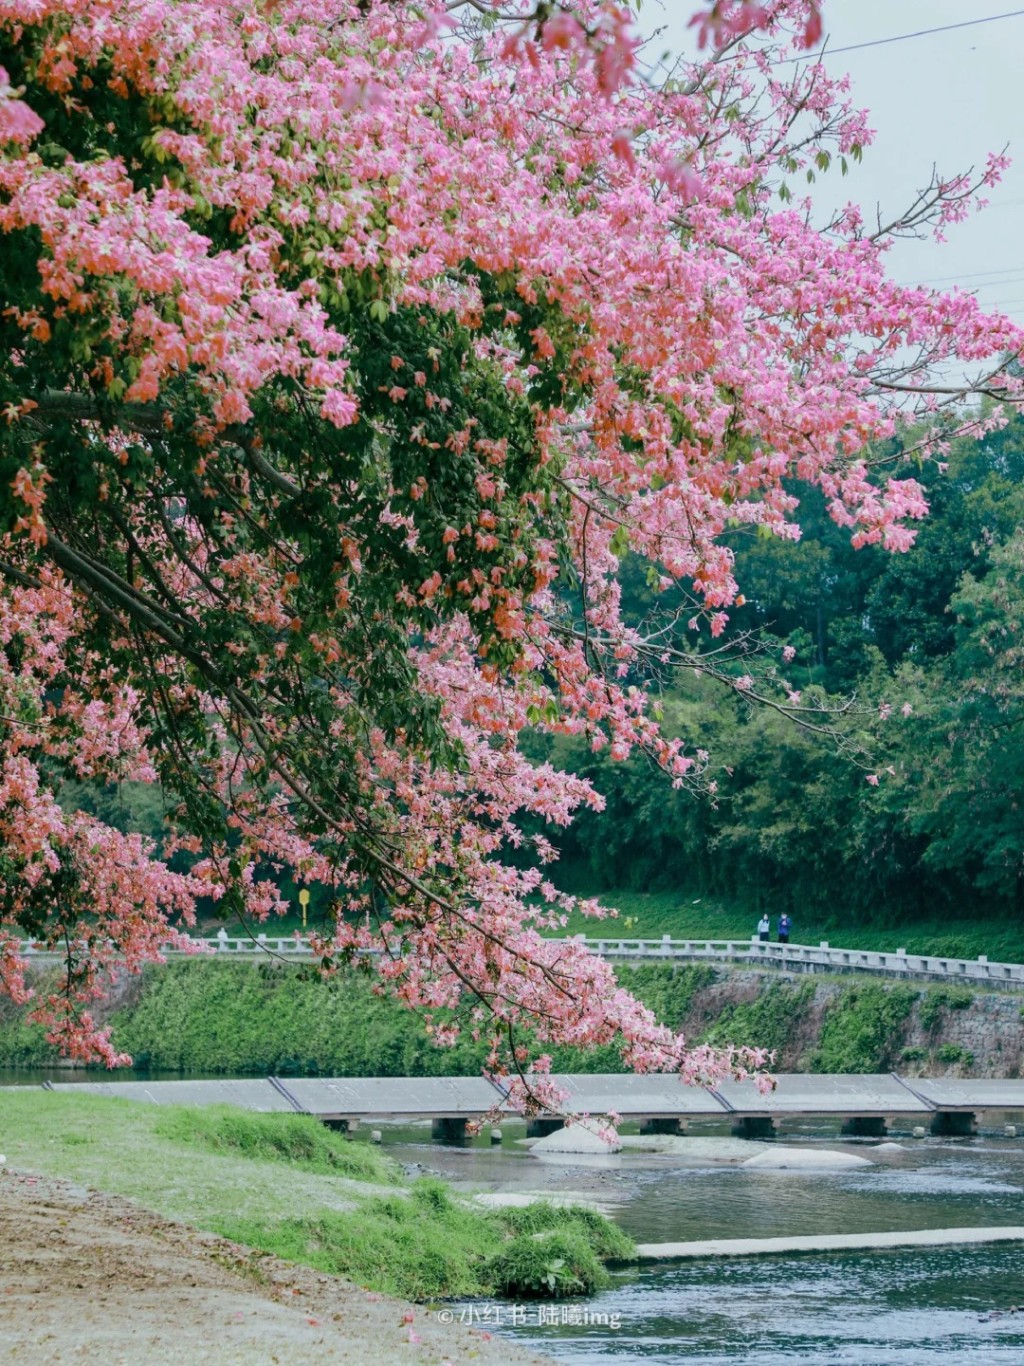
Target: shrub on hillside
x,y
863,1029
937,1000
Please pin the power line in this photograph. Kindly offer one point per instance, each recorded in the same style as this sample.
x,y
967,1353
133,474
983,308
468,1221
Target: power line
x,y
996,284
1006,277
904,37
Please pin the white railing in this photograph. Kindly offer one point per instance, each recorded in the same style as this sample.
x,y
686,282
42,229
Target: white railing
x,y
809,958
748,953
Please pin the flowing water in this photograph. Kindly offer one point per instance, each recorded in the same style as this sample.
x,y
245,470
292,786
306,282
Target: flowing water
x,y
896,1307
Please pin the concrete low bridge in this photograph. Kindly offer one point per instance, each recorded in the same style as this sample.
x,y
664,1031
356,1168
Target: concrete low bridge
x,y
863,1104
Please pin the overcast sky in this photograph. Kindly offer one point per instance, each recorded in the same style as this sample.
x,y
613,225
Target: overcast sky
x,y
942,98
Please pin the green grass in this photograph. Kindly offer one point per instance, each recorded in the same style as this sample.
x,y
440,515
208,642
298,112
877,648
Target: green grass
x,y
951,1053
284,1184
238,1018
606,1238
246,1018
765,1022
683,916
431,1245
553,1263
421,1246
937,1001
159,1156
299,1140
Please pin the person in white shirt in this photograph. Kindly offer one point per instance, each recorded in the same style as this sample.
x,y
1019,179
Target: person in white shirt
x,y
764,929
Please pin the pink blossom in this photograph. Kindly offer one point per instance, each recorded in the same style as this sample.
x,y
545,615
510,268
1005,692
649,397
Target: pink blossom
x,y
18,123
678,349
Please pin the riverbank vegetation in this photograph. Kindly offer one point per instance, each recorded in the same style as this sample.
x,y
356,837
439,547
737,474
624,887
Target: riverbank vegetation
x,y
285,1184
240,1018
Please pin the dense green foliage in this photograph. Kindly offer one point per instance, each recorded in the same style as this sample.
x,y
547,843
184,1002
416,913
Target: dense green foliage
x,y
549,1264
21,1044
606,1238
428,1244
238,1017
950,1054
420,1246
938,1000
929,644
863,1029
768,1021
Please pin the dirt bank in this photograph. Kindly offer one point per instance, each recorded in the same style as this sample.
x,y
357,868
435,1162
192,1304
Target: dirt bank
x,y
86,1277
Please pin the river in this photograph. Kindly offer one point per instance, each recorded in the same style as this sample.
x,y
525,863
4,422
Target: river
x,y
896,1307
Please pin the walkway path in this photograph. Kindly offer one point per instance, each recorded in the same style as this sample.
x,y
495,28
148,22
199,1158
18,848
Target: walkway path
x,y
978,972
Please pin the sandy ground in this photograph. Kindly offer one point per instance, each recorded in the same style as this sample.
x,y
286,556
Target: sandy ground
x,y
86,1277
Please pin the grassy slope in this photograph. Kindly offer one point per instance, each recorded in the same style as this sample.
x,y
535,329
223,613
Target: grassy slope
x,y
284,1184
131,1149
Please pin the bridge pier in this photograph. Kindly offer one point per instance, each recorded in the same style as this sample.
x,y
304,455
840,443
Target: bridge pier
x,y
754,1126
543,1125
955,1124
865,1126
663,1124
448,1130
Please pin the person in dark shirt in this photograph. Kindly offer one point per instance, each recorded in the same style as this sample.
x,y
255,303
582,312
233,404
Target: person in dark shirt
x,y
785,924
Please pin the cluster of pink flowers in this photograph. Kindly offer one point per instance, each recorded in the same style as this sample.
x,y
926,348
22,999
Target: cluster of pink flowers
x,y
18,123
721,344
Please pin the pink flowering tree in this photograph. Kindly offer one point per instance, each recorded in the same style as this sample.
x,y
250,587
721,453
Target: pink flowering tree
x,y
346,349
